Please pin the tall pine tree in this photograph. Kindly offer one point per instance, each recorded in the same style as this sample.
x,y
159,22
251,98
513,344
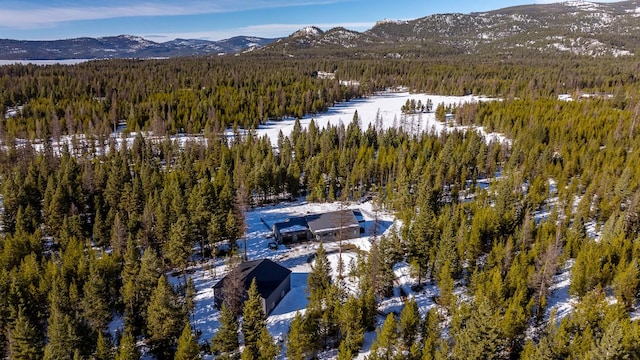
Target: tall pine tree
x,y
267,348
299,345
187,345
127,350
225,341
25,341
165,317
252,322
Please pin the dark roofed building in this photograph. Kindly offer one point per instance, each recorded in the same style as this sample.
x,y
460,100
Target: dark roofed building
x,y
273,280
292,230
331,226
334,225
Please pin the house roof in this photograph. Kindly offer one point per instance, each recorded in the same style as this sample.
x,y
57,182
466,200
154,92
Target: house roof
x,y
332,220
268,274
294,224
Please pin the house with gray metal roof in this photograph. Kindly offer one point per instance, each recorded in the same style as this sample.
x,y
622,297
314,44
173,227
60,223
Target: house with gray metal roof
x,y
335,225
330,226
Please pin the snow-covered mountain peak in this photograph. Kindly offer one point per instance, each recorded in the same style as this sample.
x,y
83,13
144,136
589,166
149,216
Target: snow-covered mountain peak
x,y
582,5
388,21
134,38
308,31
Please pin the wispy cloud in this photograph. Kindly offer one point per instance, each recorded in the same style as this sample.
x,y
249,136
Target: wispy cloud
x,y
35,15
266,30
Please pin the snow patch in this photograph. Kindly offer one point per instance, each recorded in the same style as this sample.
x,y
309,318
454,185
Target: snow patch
x,y
559,300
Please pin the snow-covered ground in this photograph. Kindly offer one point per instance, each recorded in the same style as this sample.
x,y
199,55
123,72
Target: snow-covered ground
x,y
559,300
43,62
382,110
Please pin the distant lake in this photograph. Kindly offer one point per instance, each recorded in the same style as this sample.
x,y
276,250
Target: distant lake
x,y
44,62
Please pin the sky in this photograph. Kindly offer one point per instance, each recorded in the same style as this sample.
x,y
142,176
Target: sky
x,y
164,20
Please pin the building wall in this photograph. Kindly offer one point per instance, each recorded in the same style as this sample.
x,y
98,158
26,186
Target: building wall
x,y
294,237
291,237
277,295
332,235
217,297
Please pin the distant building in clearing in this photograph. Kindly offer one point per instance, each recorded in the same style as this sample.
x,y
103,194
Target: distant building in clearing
x,y
449,119
330,226
273,280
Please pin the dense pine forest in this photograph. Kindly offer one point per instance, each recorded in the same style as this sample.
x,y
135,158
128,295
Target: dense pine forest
x,y
90,235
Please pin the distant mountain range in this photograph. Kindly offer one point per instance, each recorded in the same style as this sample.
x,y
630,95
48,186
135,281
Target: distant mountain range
x,y
576,27
123,46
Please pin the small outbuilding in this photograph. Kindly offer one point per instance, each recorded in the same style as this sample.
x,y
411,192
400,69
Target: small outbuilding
x,y
292,230
273,280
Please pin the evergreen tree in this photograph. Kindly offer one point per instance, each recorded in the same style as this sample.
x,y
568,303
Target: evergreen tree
x,y
344,352
129,290
420,242
626,283
188,348
95,304
320,276
131,266
299,339
165,317
189,296
409,325
178,248
127,350
381,260
480,338
319,312
225,341
385,346
252,322
132,316
351,321
104,347
610,345
63,339
142,290
25,341
446,296
430,334
368,304
267,349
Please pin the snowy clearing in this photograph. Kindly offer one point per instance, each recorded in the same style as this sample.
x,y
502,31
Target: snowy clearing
x,y
382,110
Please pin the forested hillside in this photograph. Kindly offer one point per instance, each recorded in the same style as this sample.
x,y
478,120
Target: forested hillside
x,y
92,235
